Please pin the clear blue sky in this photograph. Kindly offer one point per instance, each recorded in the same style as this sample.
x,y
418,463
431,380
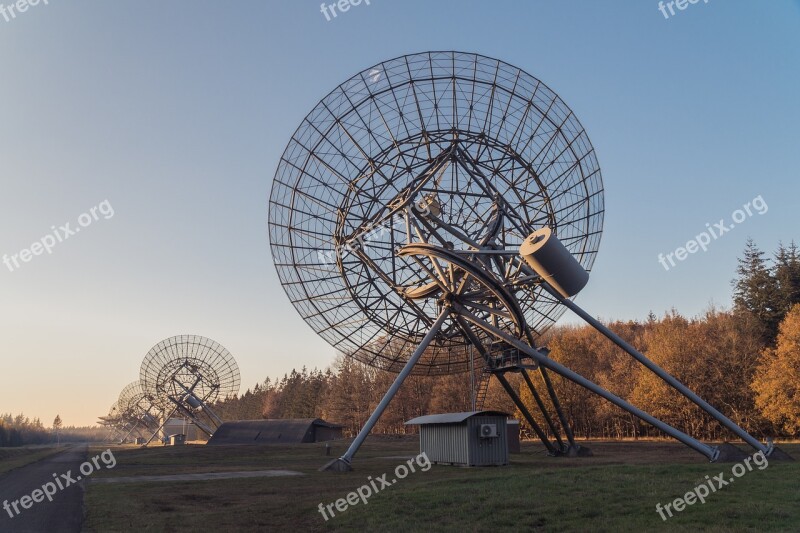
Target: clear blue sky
x,y
177,114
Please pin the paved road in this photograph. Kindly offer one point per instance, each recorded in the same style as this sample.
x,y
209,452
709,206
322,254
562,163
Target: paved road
x,y
206,476
64,514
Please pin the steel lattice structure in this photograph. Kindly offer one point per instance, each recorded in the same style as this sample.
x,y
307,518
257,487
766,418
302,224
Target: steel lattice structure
x,y
445,201
114,422
138,409
494,150
188,373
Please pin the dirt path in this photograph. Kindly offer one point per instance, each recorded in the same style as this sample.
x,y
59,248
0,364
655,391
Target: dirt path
x,y
198,477
63,514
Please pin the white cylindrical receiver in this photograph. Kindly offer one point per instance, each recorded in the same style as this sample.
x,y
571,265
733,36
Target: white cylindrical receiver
x,y
553,262
192,400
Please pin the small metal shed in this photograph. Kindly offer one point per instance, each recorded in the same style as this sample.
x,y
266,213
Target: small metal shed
x,y
472,438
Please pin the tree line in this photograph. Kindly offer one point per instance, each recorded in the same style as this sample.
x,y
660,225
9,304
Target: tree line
x,y
745,361
20,430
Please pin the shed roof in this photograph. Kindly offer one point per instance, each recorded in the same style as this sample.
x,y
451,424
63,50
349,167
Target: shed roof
x,y
451,418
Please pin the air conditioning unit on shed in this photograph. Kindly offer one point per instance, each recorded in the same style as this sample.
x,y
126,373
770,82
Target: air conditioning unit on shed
x,y
488,431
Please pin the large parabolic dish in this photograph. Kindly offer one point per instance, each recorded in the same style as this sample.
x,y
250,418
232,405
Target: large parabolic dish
x,y
188,373
475,144
443,206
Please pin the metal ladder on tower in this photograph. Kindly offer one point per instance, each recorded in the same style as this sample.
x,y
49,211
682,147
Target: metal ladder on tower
x,y
482,389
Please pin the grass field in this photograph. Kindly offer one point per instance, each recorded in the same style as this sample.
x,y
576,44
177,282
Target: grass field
x,y
616,490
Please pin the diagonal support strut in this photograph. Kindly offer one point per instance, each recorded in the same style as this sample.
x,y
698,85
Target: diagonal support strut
x,y
343,463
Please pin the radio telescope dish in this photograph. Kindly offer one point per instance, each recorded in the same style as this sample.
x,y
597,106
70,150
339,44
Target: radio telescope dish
x,y
114,423
445,201
112,418
489,150
138,410
187,374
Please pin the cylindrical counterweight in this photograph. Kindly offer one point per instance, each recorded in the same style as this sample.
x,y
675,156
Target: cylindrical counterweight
x,y
192,400
553,262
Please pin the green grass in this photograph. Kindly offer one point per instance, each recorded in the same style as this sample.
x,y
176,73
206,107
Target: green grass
x,y
616,490
11,458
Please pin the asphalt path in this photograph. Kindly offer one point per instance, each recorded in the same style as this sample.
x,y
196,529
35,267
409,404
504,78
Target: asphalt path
x,y
206,476
63,514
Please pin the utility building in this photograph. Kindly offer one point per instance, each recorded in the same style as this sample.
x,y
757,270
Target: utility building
x,y
473,438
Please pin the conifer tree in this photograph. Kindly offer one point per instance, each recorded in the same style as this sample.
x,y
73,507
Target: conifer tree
x,y
756,292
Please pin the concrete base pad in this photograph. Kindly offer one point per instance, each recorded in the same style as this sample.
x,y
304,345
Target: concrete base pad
x,y
578,451
780,455
337,465
728,453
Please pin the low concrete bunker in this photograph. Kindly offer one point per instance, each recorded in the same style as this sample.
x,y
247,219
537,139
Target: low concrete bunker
x,y
275,431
